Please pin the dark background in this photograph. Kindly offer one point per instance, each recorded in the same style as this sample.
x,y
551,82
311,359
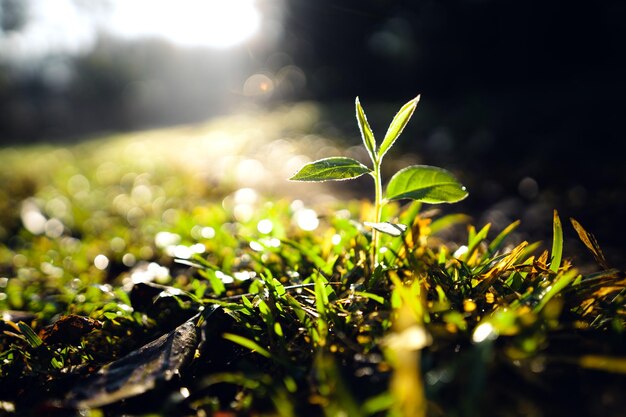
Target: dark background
x,y
523,99
514,94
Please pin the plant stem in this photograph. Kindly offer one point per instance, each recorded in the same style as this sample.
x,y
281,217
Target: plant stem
x,y
378,209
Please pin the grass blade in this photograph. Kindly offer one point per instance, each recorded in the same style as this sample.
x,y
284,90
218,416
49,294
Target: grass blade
x,y
557,286
474,240
603,363
30,335
448,221
377,298
247,343
326,266
497,242
557,243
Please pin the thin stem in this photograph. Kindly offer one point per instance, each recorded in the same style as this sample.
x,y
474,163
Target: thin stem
x,y
378,208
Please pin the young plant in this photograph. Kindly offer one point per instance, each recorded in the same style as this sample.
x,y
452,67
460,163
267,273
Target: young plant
x,y
423,183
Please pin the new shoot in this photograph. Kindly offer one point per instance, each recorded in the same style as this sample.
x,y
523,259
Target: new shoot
x,y
423,183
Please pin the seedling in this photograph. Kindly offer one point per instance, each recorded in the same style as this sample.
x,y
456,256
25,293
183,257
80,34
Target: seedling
x,y
423,183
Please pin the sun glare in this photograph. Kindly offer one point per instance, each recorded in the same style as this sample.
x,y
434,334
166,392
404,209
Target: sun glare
x,y
212,23
72,26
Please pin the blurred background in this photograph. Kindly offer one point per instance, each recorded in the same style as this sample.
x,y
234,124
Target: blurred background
x,y
524,100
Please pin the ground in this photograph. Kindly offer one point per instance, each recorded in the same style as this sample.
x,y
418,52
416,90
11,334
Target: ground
x,y
183,261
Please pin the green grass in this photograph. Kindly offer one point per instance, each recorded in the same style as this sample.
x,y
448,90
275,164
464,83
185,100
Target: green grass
x,y
138,234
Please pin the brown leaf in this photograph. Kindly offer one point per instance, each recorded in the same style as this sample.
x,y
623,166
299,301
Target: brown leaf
x,y
68,329
591,243
139,371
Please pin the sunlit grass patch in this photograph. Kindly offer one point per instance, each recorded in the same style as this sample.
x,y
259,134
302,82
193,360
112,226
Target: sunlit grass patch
x,y
155,252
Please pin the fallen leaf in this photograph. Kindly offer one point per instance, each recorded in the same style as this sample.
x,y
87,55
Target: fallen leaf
x,y
68,329
139,371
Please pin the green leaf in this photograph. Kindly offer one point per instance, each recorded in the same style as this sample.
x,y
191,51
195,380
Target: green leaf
x,y
366,132
397,126
335,168
393,229
427,184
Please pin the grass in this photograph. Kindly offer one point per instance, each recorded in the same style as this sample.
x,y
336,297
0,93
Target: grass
x,y
176,260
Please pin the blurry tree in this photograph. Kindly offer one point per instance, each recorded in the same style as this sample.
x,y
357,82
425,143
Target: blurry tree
x,y
12,15
117,85
482,66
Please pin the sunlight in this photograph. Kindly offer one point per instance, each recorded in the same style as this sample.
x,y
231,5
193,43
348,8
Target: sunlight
x,y
69,26
212,23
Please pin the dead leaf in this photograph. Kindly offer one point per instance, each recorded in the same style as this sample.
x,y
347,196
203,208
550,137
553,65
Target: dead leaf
x,y
68,329
591,243
139,371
